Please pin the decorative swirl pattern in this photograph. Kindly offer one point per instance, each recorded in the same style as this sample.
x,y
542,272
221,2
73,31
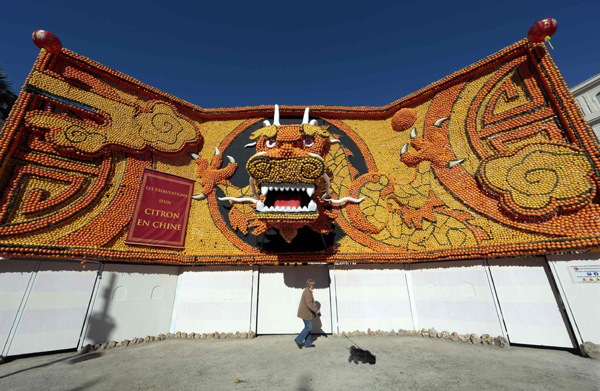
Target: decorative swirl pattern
x,y
76,134
163,126
540,179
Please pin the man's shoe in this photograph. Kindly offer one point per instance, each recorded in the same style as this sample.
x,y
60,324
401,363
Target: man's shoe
x,y
297,344
310,346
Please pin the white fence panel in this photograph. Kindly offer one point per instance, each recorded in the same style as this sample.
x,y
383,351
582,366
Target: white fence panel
x,y
14,278
374,297
583,298
279,293
56,307
132,301
528,303
213,299
454,296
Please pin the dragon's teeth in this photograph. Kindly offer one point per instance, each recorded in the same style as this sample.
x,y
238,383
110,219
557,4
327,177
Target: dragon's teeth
x,y
276,188
312,206
277,209
260,206
304,209
310,191
288,209
287,188
294,209
270,188
264,190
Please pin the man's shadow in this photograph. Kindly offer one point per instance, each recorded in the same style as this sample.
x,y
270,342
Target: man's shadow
x,y
101,323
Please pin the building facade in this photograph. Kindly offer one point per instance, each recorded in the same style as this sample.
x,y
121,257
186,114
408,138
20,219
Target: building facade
x,y
587,95
467,206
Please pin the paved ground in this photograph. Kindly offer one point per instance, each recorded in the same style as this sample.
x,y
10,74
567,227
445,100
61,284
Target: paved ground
x,y
275,363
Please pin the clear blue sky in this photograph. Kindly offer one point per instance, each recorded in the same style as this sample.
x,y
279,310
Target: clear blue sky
x,y
229,54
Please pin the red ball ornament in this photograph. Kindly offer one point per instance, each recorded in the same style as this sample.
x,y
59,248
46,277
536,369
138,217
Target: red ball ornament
x,y
47,41
542,30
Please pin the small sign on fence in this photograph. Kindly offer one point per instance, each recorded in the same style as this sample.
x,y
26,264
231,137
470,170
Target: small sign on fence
x,y
585,274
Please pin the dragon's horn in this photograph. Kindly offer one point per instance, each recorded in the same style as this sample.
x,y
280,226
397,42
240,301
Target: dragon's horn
x,y
276,119
305,119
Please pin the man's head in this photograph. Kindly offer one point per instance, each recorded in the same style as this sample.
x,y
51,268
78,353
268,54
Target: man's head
x,y
310,284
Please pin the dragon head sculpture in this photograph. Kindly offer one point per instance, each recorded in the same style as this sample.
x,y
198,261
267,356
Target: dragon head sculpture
x,y
285,173
288,180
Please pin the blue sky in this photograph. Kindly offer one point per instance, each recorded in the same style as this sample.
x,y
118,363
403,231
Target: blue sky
x,y
231,54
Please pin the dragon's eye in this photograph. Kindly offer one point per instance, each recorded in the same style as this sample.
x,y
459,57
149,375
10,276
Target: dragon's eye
x,y
309,141
271,143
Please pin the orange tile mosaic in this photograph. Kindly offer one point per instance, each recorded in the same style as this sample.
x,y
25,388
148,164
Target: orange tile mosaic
x,y
494,160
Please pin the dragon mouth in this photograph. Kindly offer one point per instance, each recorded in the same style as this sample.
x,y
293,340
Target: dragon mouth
x,y
287,198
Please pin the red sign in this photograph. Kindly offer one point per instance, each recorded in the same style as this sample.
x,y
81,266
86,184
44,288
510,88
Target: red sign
x,y
161,212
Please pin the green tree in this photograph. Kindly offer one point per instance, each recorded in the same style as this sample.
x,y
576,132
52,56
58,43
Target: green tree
x,y
7,97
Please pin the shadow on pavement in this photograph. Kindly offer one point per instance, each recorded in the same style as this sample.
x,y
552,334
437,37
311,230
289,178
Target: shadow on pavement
x,y
71,359
304,383
315,337
86,385
85,357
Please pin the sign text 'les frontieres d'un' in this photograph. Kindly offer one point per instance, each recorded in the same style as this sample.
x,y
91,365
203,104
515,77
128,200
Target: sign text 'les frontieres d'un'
x,y
161,213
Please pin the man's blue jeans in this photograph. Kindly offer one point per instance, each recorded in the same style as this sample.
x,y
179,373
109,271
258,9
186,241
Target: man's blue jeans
x,y
305,333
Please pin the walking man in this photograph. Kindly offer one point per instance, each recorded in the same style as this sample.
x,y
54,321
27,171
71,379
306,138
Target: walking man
x,y
307,311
